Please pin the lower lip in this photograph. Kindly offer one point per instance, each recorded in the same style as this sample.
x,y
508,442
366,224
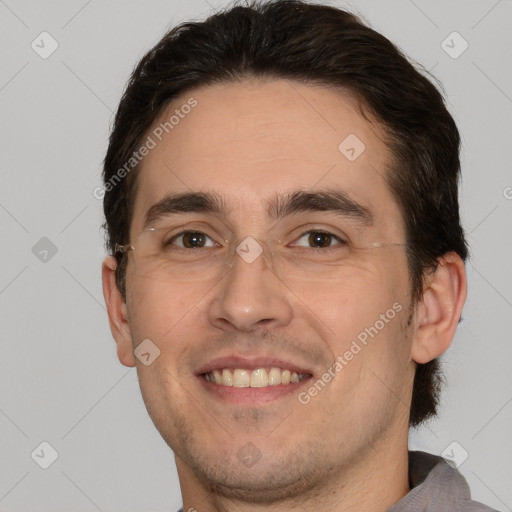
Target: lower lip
x,y
252,396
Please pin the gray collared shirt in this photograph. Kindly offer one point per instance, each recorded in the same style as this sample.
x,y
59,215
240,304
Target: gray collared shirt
x,y
435,487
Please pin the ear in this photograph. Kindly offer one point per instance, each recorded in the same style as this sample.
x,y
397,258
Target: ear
x,y
439,310
117,312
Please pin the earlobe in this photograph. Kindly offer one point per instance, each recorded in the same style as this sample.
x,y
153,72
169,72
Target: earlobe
x,y
117,313
439,310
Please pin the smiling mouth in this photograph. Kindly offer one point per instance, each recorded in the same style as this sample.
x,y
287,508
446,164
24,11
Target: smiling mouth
x,y
256,378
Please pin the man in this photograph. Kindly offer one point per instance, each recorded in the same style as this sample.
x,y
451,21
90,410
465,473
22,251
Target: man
x,y
287,260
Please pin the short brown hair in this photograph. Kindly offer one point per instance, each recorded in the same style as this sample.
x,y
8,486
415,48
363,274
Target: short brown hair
x,y
318,44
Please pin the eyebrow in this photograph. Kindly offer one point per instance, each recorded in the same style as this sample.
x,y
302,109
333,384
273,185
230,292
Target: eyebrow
x,y
330,200
189,202
278,207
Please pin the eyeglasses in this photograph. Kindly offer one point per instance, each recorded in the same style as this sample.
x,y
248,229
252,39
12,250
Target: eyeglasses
x,y
193,255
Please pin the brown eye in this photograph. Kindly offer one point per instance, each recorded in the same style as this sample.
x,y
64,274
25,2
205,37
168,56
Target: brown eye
x,y
319,239
191,240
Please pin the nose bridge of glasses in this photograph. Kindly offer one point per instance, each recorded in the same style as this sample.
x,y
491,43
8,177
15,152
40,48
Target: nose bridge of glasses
x,y
252,251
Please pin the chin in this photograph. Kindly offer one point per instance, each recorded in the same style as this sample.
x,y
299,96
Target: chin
x,y
268,483
267,478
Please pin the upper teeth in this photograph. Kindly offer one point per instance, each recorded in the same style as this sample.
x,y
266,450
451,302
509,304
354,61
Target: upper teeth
x,y
258,378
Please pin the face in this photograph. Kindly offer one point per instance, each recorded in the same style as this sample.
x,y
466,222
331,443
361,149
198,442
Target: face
x,y
318,290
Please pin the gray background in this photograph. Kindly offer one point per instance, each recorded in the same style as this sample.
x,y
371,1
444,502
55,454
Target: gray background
x,y
61,381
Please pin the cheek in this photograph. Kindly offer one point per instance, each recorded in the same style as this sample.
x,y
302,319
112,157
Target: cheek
x,y
354,302
362,319
158,309
371,369
167,314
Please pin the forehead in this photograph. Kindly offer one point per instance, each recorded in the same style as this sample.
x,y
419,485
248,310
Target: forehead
x,y
249,140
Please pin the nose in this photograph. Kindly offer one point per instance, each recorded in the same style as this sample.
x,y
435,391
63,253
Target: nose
x,y
250,295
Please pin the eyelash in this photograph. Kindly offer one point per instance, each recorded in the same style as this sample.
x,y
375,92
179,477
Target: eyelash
x,y
340,241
